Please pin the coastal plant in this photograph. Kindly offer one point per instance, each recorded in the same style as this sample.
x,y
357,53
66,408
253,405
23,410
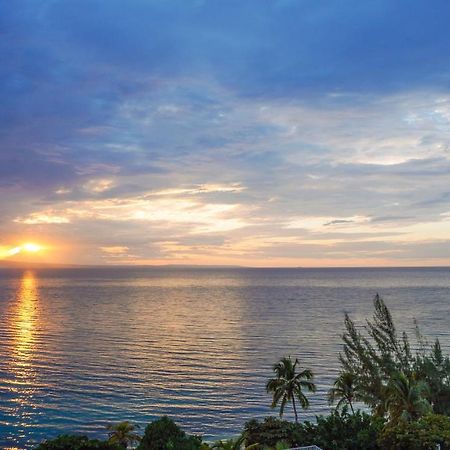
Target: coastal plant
x,y
434,367
123,433
342,431
234,444
406,398
427,433
288,384
282,445
165,434
343,391
269,432
73,442
375,354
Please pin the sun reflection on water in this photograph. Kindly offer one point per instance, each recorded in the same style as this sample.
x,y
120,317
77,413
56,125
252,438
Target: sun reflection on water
x,y
24,321
22,381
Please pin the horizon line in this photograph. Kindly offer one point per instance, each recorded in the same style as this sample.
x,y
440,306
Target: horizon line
x,y
35,265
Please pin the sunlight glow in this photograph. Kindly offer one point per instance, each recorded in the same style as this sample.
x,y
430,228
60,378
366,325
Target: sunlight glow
x,y
27,247
25,315
31,247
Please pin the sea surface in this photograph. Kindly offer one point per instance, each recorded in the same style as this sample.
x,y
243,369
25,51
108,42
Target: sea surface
x,y
81,348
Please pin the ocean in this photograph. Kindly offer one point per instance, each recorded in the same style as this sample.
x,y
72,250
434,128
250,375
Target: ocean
x,y
81,348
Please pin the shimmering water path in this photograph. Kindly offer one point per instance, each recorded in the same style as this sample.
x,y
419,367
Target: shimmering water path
x,y
80,348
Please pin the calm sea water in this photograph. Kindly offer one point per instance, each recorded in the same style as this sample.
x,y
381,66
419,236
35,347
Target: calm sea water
x,y
80,348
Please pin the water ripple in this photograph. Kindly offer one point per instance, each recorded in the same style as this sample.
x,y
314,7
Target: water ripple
x,y
81,348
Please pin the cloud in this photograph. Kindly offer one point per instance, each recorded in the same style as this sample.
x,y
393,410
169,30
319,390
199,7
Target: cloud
x,y
274,132
115,250
320,224
171,210
338,222
42,218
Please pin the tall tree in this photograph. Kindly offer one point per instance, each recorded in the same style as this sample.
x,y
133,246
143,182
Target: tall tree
x,y
288,385
374,354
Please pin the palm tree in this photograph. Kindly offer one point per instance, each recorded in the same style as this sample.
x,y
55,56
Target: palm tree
x,y
123,433
343,390
406,398
288,385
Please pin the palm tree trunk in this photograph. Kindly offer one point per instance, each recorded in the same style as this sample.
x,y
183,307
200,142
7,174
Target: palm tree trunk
x,y
295,410
351,406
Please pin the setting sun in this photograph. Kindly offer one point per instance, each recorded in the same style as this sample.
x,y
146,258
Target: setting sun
x,y
31,247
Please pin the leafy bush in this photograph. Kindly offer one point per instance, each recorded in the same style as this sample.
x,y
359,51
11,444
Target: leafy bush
x,y
269,432
342,431
338,431
422,434
165,434
70,442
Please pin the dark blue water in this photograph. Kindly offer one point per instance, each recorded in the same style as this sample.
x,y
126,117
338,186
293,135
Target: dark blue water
x,y
80,348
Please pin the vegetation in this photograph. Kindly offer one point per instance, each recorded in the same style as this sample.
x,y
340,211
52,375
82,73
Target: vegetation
x,y
406,398
423,434
388,376
343,391
233,444
270,432
288,385
69,442
434,368
338,431
406,391
342,431
165,434
123,433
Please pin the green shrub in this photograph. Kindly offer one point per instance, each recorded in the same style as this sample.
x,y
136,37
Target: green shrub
x,y
269,432
70,442
342,431
338,431
422,434
165,434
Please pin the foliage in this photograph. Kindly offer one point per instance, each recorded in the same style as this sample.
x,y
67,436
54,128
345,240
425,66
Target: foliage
x,y
269,432
344,391
165,434
288,385
342,431
282,445
338,431
123,433
435,369
422,434
71,442
405,398
233,444
377,357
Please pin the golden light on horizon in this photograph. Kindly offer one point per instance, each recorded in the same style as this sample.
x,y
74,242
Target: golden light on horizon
x,y
27,247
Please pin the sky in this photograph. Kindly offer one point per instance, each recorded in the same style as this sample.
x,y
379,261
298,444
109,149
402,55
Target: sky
x,y
257,132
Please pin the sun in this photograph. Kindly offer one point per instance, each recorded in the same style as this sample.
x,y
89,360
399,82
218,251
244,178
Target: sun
x,y
31,247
